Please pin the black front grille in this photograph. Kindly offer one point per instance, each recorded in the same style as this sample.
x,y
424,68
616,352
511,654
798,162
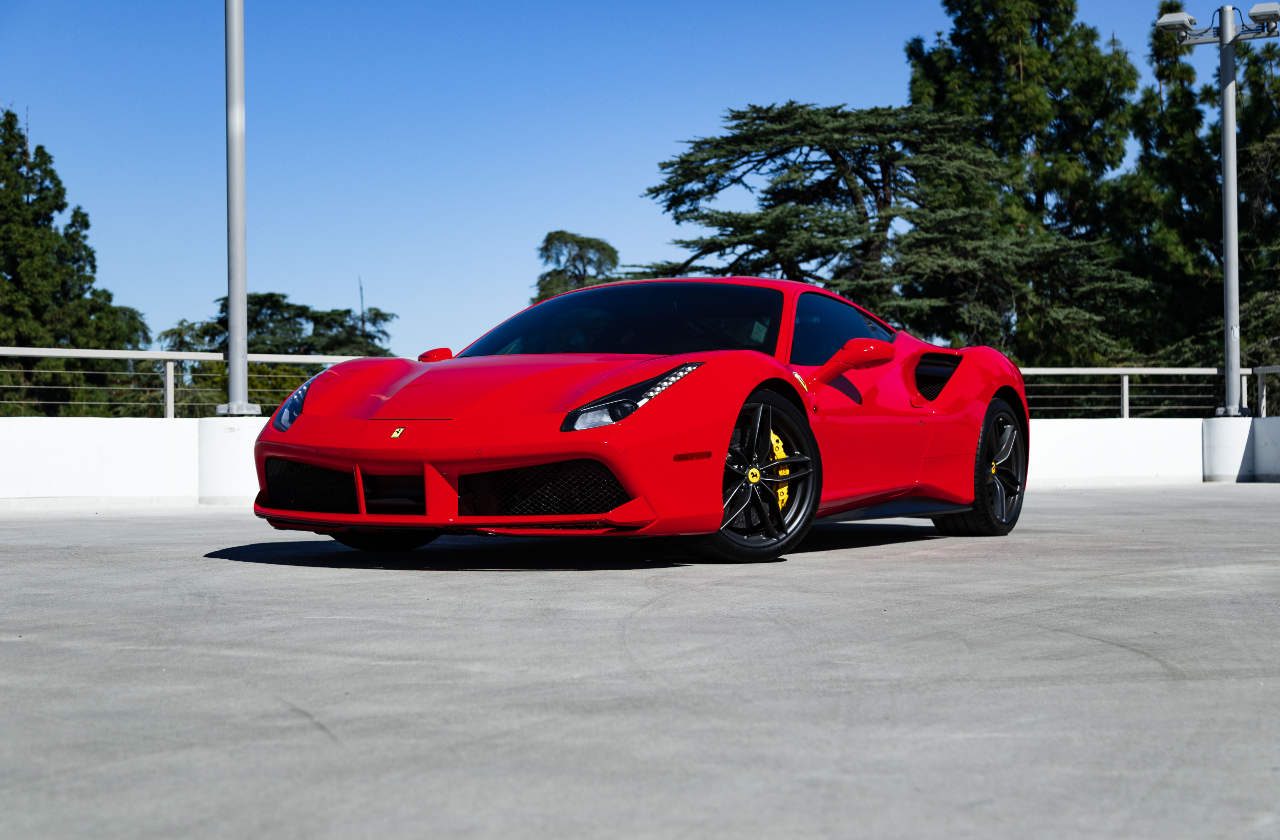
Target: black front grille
x,y
295,486
565,488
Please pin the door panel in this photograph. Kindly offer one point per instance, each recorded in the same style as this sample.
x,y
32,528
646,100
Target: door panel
x,y
872,425
872,437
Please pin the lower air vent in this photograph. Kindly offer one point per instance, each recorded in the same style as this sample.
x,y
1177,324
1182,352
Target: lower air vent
x,y
400,495
295,486
565,488
933,372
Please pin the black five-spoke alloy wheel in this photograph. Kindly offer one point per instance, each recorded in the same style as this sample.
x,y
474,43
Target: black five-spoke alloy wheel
x,y
1000,478
772,480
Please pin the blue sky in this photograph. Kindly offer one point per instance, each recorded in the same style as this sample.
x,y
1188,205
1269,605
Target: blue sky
x,y
425,147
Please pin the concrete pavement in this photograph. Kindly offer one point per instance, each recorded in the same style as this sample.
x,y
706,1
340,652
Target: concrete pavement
x,y
1111,669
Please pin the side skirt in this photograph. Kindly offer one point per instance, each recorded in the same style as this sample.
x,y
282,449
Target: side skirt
x,y
914,507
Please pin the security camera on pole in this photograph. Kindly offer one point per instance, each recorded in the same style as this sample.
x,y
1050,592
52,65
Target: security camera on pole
x,y
1266,24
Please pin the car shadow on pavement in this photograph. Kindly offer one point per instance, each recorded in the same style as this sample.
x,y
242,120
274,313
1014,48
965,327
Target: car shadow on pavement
x,y
845,536
476,553
473,553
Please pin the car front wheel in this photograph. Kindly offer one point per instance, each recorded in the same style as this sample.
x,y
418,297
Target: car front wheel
x,y
772,481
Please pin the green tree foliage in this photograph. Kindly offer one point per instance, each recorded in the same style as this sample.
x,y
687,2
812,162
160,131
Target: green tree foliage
x,y
277,325
575,261
1043,94
1039,297
898,209
828,183
47,292
1167,214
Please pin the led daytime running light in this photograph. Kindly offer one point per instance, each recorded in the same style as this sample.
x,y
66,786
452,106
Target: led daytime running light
x,y
667,381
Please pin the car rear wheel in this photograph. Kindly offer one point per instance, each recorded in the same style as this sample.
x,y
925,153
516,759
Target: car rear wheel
x,y
772,480
389,542
1000,478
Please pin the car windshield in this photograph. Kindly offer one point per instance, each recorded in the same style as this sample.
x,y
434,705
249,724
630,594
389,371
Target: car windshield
x,y
660,319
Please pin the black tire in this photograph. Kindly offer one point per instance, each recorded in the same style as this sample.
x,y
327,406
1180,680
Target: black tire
x,y
769,502
386,542
999,478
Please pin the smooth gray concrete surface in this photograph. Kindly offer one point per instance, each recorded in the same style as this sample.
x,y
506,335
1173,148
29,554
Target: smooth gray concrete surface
x,y
1112,669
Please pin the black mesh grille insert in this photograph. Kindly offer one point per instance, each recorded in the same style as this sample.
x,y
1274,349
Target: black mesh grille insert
x,y
933,372
294,486
403,495
565,488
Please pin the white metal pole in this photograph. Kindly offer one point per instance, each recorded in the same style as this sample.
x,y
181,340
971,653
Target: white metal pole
x,y
237,271
168,390
1230,208
1124,396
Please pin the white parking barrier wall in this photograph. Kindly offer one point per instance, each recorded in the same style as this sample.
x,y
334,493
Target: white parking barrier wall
x,y
1114,452
227,473
1266,449
59,462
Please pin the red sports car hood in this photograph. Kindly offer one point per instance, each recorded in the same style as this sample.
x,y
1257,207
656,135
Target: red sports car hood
x,y
399,389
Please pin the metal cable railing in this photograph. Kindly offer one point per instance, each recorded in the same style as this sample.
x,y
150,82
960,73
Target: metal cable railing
x,y
172,384
64,381
1136,392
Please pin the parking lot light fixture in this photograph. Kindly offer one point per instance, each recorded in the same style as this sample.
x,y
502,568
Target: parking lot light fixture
x,y
1176,22
1265,13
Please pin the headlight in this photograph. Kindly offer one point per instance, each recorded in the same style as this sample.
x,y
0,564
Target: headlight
x,y
292,407
620,404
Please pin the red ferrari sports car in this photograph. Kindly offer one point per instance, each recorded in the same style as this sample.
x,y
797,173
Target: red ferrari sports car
x,y
733,412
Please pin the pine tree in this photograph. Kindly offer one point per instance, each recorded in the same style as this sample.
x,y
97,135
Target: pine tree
x,y
1046,96
828,183
47,292
897,209
576,262
277,325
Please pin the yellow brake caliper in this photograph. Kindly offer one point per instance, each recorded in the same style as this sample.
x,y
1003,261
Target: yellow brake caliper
x,y
778,454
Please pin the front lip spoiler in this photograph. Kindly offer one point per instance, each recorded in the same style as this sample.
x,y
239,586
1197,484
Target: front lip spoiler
x,y
633,515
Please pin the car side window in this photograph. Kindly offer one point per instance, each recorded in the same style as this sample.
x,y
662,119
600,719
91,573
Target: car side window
x,y
824,325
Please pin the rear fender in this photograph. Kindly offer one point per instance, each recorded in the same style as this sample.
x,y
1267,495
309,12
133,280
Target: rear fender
x,y
947,471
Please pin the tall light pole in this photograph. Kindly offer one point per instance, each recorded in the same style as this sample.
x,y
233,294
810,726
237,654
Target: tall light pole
x,y
238,404
1266,24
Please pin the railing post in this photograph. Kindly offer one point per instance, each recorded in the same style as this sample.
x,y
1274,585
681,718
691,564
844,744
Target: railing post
x,y
1124,396
1244,391
1262,393
168,390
